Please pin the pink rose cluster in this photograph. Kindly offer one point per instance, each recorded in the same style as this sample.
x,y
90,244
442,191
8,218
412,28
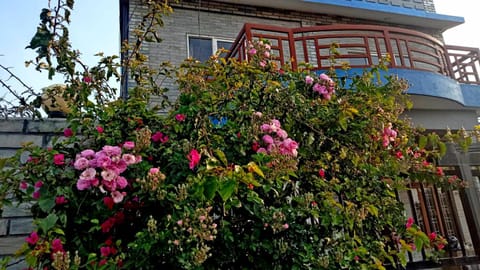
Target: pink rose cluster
x,y
102,169
324,85
388,135
263,52
276,140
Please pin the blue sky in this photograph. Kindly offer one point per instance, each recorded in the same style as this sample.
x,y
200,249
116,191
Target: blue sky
x,y
95,28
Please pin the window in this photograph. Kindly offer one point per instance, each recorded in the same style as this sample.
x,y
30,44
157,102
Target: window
x,y
201,48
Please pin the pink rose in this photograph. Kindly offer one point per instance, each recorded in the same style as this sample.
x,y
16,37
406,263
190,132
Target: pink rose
x,y
129,159
81,163
88,174
122,182
154,170
118,196
83,184
267,139
129,145
88,153
308,80
99,129
318,88
325,77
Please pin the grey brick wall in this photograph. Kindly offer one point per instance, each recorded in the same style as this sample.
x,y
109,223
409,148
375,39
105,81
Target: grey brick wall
x,y
16,222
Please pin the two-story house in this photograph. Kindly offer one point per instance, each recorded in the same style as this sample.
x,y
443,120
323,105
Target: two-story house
x,y
444,79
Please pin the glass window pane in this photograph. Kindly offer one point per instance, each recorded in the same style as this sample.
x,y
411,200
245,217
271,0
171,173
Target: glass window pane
x,y
223,45
200,48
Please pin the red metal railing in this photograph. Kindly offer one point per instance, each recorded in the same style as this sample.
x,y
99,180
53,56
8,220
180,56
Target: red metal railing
x,y
464,63
361,46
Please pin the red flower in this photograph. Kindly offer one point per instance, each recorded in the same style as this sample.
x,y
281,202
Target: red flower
x,y
23,185
255,146
57,245
68,132
38,184
59,200
36,195
108,224
432,236
194,158
180,117
87,79
313,203
440,246
440,171
409,222
59,159
108,202
32,239
399,154
105,251
321,173
250,186
99,129
159,137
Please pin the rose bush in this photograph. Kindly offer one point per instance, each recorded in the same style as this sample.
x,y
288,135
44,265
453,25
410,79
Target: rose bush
x,y
255,166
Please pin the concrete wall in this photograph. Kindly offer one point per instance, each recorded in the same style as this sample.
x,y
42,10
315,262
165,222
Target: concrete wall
x,y
16,222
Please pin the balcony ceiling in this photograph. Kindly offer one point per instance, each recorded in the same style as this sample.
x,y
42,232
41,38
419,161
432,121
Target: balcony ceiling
x,y
363,10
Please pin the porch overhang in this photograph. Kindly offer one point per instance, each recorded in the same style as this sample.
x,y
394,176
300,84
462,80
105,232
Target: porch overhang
x,y
363,10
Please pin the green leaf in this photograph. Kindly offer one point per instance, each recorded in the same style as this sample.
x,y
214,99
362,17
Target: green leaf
x,y
210,187
254,167
219,153
226,189
47,223
3,161
422,142
373,210
418,243
342,120
443,148
46,204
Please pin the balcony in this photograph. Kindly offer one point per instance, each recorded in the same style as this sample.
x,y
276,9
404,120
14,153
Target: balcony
x,y
361,46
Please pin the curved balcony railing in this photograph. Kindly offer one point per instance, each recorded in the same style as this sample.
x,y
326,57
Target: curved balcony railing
x,y
361,46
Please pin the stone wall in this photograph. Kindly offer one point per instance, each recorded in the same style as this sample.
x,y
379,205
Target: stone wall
x,y
15,222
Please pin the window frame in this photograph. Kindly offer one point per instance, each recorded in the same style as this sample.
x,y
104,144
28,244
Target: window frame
x,y
213,41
